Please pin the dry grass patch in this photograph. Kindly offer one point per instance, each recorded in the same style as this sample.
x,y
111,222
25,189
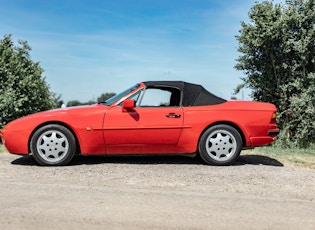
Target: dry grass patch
x,y
2,148
298,157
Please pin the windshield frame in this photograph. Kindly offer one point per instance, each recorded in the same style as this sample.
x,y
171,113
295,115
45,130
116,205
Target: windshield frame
x,y
121,95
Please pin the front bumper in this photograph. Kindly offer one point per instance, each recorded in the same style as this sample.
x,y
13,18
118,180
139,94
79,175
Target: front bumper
x,y
1,138
16,142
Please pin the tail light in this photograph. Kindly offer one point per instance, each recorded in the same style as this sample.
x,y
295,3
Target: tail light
x,y
273,118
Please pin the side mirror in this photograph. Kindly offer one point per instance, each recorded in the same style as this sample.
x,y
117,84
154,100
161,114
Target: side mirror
x,y
127,105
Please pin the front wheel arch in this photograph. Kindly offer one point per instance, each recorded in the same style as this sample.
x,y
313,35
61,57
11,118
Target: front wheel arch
x,y
78,148
53,145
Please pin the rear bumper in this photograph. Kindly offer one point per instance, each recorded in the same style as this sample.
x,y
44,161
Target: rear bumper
x,y
261,141
265,140
273,132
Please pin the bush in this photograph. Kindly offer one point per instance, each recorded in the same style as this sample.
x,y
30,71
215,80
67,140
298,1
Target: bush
x,y
23,89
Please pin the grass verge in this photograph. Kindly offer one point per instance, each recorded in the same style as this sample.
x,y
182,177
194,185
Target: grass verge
x,y
2,148
298,157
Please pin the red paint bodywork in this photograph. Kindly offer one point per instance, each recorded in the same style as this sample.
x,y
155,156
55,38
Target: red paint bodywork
x,y
101,129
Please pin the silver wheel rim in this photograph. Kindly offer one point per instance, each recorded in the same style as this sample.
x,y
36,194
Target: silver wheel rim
x,y
221,145
52,146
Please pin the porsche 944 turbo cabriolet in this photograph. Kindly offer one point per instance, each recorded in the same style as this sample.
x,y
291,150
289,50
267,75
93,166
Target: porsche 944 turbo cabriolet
x,y
153,117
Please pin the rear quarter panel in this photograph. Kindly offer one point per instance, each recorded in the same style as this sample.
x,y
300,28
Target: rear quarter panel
x,y
252,119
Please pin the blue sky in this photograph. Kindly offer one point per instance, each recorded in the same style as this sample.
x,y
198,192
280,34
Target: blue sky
x,y
90,47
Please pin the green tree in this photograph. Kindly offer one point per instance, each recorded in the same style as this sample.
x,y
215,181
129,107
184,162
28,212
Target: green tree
x,y
23,89
57,100
259,43
278,48
105,96
74,103
78,103
101,98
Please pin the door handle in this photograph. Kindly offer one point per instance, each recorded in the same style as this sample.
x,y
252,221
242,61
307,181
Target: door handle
x,y
173,115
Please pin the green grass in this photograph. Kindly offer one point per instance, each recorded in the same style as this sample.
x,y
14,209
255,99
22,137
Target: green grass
x,y
2,148
293,156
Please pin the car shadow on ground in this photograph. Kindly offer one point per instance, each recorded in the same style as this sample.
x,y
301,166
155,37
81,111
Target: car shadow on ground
x,y
155,159
258,160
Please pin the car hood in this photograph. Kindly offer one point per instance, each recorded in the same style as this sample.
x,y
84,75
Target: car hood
x,y
67,110
56,114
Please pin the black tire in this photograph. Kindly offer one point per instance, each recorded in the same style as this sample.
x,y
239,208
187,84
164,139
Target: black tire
x,y
53,145
220,145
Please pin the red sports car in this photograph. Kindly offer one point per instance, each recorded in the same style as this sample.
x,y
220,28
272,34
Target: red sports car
x,y
153,117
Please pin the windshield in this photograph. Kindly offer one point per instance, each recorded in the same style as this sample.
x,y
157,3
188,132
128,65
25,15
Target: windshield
x,y
120,95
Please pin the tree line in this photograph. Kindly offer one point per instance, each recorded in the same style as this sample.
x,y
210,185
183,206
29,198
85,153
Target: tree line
x,y
277,56
276,51
102,98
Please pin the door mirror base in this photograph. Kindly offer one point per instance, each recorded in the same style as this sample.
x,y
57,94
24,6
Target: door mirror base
x,y
127,105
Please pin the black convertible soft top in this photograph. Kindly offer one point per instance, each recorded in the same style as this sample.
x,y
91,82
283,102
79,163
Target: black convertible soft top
x,y
193,94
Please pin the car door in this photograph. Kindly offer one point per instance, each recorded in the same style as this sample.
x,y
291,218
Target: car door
x,y
152,126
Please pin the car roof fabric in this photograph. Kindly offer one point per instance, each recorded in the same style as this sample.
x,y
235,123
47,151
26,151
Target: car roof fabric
x,y
193,94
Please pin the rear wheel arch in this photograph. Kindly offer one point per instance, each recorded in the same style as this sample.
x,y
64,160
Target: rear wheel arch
x,y
229,124
55,123
220,144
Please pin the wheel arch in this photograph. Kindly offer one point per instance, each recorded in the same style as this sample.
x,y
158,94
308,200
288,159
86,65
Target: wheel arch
x,y
55,123
238,129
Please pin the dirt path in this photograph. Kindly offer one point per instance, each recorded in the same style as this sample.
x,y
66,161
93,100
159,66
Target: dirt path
x,y
155,193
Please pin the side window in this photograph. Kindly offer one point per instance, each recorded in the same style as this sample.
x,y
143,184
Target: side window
x,y
157,97
136,97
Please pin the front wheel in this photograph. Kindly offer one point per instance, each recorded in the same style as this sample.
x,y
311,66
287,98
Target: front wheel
x,y
220,145
53,145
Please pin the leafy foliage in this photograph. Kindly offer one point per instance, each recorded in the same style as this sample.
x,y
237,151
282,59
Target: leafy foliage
x,y
23,89
77,103
105,96
102,98
57,100
278,48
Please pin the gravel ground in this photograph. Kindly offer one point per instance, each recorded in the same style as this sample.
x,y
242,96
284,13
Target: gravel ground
x,y
156,192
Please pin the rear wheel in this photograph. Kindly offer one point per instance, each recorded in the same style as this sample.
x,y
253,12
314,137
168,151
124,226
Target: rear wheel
x,y
220,145
53,145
